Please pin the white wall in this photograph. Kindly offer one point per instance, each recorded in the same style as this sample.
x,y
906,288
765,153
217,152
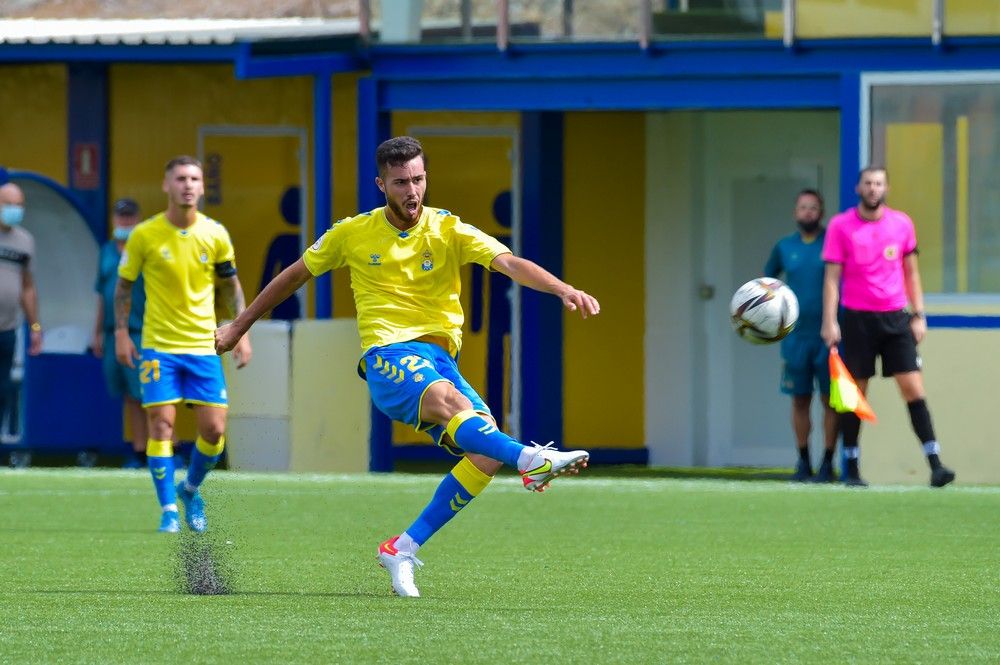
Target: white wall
x,y
699,165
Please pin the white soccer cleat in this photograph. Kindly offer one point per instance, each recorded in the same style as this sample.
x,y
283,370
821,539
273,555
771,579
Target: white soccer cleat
x,y
548,463
400,567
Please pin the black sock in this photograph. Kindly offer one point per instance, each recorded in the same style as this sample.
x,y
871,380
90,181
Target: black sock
x,y
920,418
850,428
934,461
827,457
804,455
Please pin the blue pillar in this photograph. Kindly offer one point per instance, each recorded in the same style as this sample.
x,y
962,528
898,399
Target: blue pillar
x,y
322,195
542,242
87,123
374,126
850,137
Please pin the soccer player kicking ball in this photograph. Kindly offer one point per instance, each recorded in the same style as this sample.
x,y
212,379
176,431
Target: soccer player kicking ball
x,y
404,260
183,256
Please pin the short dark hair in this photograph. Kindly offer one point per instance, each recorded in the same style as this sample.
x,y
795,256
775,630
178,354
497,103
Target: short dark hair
x,y
871,168
125,207
181,160
397,151
808,191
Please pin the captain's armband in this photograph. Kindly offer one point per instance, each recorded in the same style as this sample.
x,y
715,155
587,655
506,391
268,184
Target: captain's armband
x,y
225,269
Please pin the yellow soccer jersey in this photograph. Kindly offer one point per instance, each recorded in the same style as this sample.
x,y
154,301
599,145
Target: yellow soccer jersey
x,y
179,270
406,284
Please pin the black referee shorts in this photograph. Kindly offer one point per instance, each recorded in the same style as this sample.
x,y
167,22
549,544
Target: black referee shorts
x,y
867,335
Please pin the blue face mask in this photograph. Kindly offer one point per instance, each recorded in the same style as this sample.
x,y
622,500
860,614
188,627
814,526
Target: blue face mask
x,y
12,215
121,233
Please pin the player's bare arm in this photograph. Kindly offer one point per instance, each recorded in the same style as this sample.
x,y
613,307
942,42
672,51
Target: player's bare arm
x,y
830,331
230,291
29,305
125,351
530,274
285,284
915,295
230,294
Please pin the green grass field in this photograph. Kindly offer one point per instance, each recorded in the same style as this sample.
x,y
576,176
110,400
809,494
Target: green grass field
x,y
596,570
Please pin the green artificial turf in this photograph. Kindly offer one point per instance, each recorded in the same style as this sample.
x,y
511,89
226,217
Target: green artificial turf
x,y
606,569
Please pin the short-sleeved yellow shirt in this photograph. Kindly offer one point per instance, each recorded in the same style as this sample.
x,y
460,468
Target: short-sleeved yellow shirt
x,y
406,284
178,267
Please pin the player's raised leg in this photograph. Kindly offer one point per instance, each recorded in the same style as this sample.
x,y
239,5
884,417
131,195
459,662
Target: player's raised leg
x,y
473,432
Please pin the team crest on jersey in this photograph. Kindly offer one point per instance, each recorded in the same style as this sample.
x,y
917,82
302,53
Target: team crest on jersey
x,y
165,253
375,259
891,252
428,262
418,378
203,257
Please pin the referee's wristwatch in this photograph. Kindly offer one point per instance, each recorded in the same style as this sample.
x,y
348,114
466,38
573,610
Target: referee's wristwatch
x,y
36,327
919,314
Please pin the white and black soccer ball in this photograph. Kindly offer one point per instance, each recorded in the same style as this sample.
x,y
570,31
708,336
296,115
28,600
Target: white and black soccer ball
x,y
764,310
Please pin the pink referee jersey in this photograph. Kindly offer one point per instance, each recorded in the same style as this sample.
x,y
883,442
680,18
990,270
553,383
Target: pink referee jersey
x,y
871,253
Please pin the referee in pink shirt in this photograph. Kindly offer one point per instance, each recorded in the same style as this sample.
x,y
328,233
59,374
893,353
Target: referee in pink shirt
x,y
871,273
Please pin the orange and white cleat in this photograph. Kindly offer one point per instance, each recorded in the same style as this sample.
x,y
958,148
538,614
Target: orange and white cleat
x,y
549,463
400,566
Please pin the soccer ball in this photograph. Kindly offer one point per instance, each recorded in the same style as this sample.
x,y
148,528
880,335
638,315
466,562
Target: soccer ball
x,y
764,310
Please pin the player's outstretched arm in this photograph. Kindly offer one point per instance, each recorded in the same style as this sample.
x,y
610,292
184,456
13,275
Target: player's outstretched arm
x,y
285,284
530,274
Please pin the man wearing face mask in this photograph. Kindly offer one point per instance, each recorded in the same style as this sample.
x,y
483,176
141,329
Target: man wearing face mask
x,y
797,258
17,287
121,381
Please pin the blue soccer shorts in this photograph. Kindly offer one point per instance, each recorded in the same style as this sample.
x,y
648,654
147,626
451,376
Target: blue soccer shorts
x,y
398,375
806,365
168,378
119,379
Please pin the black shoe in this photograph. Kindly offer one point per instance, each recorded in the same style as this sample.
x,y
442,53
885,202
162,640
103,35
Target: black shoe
x,y
941,476
854,480
825,473
803,472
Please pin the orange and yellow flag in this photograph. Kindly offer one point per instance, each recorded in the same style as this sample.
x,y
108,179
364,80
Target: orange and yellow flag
x,y
845,396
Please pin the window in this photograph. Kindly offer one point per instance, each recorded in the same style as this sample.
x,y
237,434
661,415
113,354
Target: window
x,y
939,137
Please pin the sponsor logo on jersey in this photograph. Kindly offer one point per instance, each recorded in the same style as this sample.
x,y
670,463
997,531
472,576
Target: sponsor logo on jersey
x,y
375,259
428,262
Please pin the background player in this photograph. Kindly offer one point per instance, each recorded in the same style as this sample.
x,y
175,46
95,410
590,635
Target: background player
x,y
871,272
798,258
121,381
404,260
182,256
